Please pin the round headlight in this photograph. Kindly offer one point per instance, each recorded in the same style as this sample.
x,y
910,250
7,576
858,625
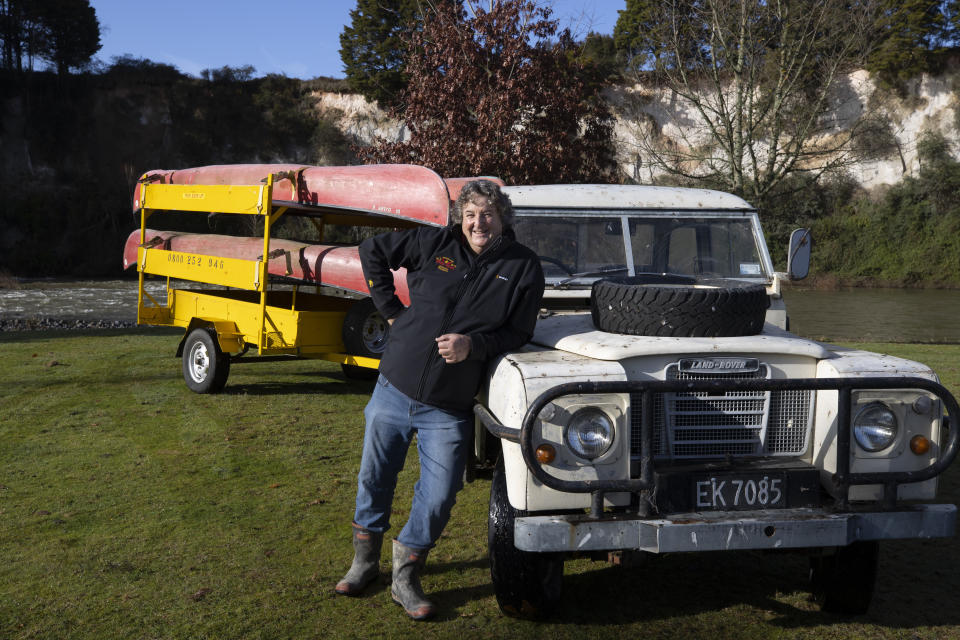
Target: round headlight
x,y
875,427
589,433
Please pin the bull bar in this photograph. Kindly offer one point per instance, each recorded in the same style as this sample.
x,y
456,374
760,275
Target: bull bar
x,y
745,530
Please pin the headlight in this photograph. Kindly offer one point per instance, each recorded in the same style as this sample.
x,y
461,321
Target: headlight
x,y
589,433
875,427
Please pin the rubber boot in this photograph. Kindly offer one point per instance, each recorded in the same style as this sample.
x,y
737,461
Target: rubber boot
x,y
406,590
366,562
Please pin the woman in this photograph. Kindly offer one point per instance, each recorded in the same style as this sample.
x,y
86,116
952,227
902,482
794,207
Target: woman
x,y
474,294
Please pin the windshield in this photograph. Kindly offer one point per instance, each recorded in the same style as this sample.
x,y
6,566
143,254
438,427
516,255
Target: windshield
x,y
576,250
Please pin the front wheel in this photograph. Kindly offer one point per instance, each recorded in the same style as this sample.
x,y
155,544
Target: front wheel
x,y
527,584
843,582
205,366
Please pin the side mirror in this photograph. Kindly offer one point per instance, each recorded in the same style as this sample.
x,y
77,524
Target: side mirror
x,y
798,255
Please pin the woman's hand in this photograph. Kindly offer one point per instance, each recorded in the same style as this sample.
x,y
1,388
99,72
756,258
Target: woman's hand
x,y
453,347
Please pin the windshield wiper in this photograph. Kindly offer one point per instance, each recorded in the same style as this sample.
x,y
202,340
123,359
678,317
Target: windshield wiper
x,y
588,274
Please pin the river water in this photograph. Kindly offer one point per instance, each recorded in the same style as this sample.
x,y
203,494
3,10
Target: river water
x,y
881,315
875,315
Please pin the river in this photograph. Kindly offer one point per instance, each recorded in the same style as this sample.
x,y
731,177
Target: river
x,y
881,315
875,315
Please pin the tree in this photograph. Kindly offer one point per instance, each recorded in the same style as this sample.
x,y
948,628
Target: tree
x,y
912,35
71,32
500,93
598,54
631,33
372,47
22,31
755,84
65,33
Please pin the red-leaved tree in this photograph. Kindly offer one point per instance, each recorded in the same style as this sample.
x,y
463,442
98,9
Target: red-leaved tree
x,y
496,90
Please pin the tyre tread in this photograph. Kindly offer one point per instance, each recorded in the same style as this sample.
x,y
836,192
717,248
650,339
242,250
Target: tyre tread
x,y
641,306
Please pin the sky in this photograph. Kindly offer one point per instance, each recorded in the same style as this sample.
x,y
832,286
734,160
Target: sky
x,y
297,38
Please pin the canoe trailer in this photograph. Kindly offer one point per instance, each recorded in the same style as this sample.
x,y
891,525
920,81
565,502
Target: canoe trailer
x,y
222,325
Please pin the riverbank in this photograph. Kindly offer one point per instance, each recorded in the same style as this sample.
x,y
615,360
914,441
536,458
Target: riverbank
x,y
60,324
834,282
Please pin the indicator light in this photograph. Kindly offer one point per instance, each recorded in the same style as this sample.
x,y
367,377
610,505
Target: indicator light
x,y
546,454
919,445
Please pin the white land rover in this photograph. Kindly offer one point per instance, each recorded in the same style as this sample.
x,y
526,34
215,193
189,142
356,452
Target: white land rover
x,y
663,406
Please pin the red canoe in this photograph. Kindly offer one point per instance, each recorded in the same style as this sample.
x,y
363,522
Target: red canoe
x,y
309,263
399,191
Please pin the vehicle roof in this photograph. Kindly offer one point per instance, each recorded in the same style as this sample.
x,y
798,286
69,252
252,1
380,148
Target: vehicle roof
x,y
606,196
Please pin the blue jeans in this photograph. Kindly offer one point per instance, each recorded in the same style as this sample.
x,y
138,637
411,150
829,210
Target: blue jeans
x,y
442,440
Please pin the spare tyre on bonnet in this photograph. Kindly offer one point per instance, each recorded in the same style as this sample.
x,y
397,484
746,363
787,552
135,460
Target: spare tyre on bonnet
x,y
678,306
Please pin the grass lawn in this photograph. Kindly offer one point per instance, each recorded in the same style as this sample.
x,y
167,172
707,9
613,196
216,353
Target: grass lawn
x,y
133,508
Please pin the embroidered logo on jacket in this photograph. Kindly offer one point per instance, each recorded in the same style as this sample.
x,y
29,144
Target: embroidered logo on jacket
x,y
445,264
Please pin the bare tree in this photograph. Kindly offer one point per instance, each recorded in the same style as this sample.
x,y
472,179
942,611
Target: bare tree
x,y
759,85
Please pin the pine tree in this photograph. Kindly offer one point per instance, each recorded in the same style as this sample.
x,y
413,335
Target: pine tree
x,y
372,47
911,35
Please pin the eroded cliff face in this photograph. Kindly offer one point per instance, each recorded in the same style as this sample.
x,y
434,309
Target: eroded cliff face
x,y
928,104
361,121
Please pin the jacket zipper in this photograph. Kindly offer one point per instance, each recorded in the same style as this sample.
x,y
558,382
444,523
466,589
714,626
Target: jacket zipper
x,y
476,269
443,326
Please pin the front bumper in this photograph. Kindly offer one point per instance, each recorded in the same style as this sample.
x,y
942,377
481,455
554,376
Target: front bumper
x,y
726,531
643,481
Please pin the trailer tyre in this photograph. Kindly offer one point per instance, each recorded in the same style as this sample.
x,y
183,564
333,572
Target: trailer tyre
x,y
844,582
365,333
205,366
677,306
527,584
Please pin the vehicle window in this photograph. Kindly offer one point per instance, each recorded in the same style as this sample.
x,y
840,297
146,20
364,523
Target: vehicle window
x,y
573,245
642,241
694,246
711,247
682,251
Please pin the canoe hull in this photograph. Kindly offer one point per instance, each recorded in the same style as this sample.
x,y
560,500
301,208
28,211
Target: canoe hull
x,y
408,193
316,264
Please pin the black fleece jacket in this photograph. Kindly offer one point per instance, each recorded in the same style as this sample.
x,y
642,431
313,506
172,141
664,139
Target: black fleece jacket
x,y
493,297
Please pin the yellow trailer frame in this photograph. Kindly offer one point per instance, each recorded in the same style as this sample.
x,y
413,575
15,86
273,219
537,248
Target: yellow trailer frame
x,y
306,325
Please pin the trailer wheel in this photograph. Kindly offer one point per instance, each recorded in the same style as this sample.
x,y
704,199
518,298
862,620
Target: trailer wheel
x,y
527,584
365,333
205,366
677,306
843,582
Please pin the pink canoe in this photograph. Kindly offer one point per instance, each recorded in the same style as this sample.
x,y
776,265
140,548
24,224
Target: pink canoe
x,y
403,192
309,263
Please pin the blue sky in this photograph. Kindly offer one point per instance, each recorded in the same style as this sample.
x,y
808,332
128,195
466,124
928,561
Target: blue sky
x,y
299,38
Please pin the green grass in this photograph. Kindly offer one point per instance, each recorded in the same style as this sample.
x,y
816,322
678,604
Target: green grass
x,y
133,508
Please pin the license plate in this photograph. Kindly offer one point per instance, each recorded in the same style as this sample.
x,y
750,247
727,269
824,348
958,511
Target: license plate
x,y
740,491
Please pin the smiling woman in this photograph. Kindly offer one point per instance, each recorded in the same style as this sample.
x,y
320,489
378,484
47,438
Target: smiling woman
x,y
482,212
474,294
481,224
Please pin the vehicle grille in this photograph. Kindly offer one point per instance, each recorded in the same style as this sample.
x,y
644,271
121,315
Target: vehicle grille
x,y
732,423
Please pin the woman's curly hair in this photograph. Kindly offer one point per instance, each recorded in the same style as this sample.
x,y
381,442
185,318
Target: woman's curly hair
x,y
491,192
